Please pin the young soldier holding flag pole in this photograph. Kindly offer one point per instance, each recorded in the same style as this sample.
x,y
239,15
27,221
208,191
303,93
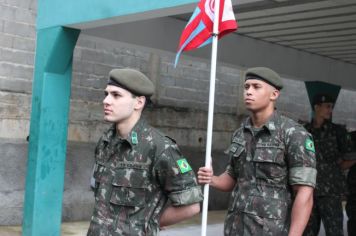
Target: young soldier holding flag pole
x,y
271,172
210,21
272,159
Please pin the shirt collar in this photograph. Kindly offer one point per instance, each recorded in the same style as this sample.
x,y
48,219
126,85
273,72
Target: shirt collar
x,y
111,132
326,125
136,132
270,125
133,137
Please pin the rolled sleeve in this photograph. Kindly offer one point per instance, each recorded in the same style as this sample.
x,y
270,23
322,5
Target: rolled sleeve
x,y
186,197
179,185
230,171
301,157
303,176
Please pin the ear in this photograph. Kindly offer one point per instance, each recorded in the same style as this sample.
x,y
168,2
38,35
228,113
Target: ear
x,y
274,95
316,107
140,102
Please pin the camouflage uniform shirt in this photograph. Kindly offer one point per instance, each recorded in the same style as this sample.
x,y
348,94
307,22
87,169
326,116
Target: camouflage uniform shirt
x,y
265,163
331,143
134,179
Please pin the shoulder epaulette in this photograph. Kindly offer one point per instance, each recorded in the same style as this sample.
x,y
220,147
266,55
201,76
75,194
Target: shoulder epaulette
x,y
161,134
172,139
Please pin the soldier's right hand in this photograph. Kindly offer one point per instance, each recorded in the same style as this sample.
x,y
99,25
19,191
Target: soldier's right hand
x,y
205,175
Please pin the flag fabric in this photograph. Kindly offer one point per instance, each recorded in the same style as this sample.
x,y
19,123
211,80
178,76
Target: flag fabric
x,y
198,32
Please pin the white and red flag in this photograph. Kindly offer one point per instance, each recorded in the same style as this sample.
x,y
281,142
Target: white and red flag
x,y
211,20
199,30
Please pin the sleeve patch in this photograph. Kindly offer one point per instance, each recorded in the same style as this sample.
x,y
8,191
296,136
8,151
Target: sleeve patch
x,y
183,165
309,145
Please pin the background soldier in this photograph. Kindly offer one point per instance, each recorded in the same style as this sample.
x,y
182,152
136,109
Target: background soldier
x,y
349,163
271,157
331,142
137,168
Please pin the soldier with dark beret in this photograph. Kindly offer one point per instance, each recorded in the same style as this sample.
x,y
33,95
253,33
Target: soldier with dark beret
x,y
332,144
141,181
350,163
271,172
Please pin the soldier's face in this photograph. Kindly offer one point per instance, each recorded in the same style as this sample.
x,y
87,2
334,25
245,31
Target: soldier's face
x,y
259,95
119,104
324,110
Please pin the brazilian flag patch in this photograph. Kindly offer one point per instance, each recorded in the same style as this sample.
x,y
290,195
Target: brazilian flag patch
x,y
183,165
309,145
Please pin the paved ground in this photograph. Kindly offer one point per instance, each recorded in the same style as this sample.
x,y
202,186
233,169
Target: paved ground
x,y
186,228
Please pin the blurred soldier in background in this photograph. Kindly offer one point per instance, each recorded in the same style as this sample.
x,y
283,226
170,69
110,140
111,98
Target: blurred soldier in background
x,y
349,163
331,144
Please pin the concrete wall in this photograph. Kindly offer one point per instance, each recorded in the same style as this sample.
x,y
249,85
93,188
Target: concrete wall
x,y
235,49
180,107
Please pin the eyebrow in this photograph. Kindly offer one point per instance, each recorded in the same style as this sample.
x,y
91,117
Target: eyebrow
x,y
253,83
112,91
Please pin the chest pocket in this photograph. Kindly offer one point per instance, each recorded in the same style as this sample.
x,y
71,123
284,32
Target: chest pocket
x,y
269,161
236,152
328,148
236,147
98,171
98,175
130,185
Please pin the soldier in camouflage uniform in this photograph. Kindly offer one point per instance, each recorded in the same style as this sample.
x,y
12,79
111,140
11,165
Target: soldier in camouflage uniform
x,y
141,180
331,143
271,162
349,163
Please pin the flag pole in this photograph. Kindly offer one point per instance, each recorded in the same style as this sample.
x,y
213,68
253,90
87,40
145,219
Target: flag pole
x,y
211,111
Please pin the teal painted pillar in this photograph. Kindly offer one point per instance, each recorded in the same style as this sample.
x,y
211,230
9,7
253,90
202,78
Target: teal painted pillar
x,y
51,98
48,131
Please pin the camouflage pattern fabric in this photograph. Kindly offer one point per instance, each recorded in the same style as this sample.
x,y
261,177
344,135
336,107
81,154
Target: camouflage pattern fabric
x,y
265,164
249,224
351,201
351,214
331,144
329,209
134,179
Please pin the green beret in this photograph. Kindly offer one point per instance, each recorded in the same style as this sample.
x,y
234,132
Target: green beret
x,y
323,98
131,80
265,74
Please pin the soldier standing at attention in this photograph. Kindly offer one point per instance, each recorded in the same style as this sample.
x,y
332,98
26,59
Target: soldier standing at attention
x,y
350,163
331,144
271,163
137,168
